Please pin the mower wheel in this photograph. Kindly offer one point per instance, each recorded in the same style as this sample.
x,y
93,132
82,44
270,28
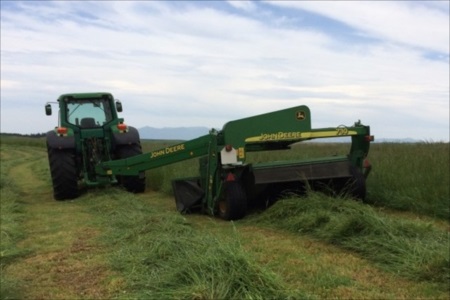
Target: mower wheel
x,y
233,205
64,173
134,184
357,184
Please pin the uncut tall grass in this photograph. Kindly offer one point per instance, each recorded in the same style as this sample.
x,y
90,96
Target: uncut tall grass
x,y
413,177
160,179
22,141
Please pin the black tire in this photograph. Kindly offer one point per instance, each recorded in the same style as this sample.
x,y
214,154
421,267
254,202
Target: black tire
x,y
63,171
134,184
357,184
233,204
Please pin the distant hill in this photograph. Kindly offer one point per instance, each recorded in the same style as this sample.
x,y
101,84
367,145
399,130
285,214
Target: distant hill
x,y
189,133
172,133
402,140
377,140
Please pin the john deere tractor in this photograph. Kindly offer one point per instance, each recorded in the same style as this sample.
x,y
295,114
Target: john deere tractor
x,y
91,146
89,132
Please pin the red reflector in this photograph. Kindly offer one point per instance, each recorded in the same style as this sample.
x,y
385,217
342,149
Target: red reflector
x,y
61,130
230,177
369,138
366,164
122,127
228,148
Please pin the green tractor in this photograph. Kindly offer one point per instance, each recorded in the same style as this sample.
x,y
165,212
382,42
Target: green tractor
x,y
89,132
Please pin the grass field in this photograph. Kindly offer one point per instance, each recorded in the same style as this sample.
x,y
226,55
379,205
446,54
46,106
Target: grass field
x,y
112,244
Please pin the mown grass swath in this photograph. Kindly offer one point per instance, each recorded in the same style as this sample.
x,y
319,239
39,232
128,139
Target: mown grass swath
x,y
162,256
412,177
410,248
11,216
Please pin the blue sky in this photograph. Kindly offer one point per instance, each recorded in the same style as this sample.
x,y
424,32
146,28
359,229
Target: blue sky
x,y
203,63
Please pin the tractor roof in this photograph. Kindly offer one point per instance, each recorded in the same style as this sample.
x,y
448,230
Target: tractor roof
x,y
86,95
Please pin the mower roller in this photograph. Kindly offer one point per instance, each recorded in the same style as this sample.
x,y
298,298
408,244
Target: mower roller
x,y
109,152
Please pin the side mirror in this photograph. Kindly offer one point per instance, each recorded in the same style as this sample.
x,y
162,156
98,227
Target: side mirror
x,y
119,106
48,109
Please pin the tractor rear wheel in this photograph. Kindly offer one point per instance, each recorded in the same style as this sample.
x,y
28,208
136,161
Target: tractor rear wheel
x,y
233,205
63,171
134,184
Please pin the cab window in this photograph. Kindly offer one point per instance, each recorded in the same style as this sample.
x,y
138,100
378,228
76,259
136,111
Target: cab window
x,y
89,113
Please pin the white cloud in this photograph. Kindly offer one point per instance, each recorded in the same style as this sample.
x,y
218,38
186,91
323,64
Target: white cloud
x,y
413,23
246,5
8,84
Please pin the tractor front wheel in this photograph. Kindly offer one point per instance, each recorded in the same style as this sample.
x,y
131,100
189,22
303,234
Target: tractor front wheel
x,y
134,184
233,204
64,173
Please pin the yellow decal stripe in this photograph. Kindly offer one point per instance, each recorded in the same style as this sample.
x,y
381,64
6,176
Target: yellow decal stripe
x,y
283,136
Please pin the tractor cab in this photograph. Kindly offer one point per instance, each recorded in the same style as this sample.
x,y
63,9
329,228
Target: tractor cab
x,y
86,111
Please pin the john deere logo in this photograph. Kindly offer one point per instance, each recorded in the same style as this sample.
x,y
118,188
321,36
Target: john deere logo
x,y
300,115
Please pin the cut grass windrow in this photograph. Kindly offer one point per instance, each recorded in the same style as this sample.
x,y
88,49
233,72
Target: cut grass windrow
x,y
11,217
413,249
162,256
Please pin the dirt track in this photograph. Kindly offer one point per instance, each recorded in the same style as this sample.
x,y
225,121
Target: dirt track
x,y
63,262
